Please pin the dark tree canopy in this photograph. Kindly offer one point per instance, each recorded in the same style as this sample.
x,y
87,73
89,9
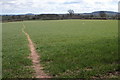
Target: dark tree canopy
x,y
102,14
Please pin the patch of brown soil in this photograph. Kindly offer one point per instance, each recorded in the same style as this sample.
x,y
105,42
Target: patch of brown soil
x,y
39,73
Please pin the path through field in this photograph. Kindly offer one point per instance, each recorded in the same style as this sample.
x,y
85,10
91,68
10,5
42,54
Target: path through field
x,y
39,73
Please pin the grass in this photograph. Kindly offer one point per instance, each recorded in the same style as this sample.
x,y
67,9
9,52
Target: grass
x,y
0,50
15,52
68,48
76,48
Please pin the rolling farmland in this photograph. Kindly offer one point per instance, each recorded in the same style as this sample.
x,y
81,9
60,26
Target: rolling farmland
x,y
67,48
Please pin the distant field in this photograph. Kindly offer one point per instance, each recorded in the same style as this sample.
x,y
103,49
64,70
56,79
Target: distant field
x,y
68,48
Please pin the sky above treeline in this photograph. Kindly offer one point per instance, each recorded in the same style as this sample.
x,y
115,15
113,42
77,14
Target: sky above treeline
x,y
56,6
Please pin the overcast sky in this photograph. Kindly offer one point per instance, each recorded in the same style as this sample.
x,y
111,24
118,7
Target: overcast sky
x,y
57,6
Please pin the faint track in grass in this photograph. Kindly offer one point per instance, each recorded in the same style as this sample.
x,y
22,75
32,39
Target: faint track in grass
x,y
39,73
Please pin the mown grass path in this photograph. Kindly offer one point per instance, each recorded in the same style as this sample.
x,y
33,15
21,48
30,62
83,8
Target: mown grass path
x,y
39,73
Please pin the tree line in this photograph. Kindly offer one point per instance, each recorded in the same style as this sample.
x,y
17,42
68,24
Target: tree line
x,y
71,15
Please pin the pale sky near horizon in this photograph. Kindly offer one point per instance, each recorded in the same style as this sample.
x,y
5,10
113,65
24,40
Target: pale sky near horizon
x,y
57,6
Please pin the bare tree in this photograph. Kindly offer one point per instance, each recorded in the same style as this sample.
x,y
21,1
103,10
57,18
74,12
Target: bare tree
x,y
71,12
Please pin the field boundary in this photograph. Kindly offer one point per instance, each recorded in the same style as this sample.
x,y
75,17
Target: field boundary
x,y
39,73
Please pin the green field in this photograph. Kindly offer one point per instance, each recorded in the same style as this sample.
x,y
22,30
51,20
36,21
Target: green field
x,y
0,50
68,48
15,52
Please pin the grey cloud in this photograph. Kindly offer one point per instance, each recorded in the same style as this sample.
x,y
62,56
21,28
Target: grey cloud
x,y
98,3
51,3
71,2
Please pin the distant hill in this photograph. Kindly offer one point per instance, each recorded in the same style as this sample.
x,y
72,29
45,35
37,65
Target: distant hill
x,y
29,14
96,13
110,13
106,12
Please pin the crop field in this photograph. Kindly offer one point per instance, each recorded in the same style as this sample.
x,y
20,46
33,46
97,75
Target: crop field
x,y
15,52
67,48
